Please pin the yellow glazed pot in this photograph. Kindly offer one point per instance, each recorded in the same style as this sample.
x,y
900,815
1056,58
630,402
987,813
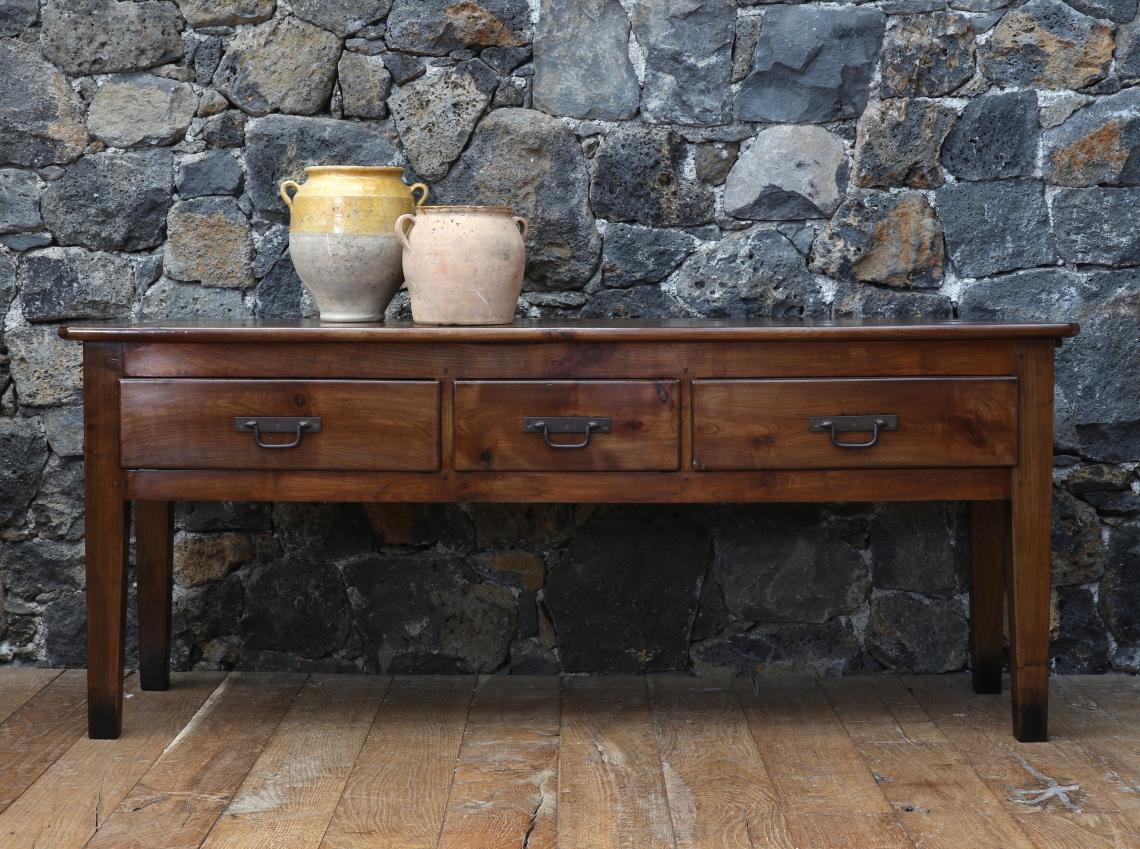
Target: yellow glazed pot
x,y
463,264
341,236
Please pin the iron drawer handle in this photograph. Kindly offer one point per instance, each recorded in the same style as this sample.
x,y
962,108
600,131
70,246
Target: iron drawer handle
x,y
297,425
848,424
567,424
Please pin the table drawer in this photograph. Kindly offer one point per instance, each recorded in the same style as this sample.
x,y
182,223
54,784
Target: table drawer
x,y
637,425
767,424
376,425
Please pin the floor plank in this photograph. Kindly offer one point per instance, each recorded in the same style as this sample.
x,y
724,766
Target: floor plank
x,y
20,684
291,791
505,791
72,799
396,796
938,798
720,794
36,734
180,798
611,788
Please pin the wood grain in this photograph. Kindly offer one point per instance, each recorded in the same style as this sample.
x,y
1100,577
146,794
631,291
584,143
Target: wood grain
x,y
178,800
76,795
611,788
367,424
291,791
1028,584
989,563
34,736
397,793
20,684
154,571
720,794
505,791
645,434
763,424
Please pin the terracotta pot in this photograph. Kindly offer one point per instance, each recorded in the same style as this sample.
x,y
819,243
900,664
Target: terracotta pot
x,y
463,264
341,240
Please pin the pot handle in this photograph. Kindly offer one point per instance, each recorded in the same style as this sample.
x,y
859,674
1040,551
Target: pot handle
x,y
284,192
402,232
521,222
423,196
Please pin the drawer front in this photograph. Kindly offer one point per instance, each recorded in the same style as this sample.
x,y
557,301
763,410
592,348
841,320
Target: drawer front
x,y
643,425
941,422
372,425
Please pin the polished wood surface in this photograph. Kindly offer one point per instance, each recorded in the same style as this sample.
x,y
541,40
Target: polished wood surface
x,y
762,424
643,435
792,762
154,572
989,564
701,412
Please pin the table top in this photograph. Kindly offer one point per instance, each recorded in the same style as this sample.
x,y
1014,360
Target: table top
x,y
613,330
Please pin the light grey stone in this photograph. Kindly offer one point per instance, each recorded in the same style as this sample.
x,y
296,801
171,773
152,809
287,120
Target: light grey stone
x,y
1057,108
532,163
141,109
683,85
63,283
1098,145
41,118
213,13
214,172
283,65
341,17
927,55
209,242
995,137
105,36
111,201
19,201
1121,11
437,27
436,114
364,85
279,147
63,427
996,226
581,61
812,64
169,299
790,172
1100,225
751,274
17,242
898,143
46,370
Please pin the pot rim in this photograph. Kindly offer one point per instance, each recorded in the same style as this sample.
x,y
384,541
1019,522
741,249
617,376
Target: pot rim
x,y
443,207
372,169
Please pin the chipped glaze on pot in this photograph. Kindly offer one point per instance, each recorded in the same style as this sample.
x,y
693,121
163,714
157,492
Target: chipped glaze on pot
x,y
341,239
463,264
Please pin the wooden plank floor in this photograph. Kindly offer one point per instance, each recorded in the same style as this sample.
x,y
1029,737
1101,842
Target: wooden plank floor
x,y
281,761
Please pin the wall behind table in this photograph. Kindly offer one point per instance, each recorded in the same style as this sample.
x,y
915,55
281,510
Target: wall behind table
x,y
975,159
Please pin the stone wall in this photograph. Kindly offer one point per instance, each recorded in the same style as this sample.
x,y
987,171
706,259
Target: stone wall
x,y
918,158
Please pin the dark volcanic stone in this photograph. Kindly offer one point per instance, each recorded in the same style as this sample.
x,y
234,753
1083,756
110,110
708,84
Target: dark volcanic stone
x,y
214,172
425,614
62,283
64,624
211,516
873,302
987,225
1078,549
786,564
995,137
1097,145
927,55
41,567
812,64
916,547
632,254
341,17
295,606
1082,646
281,294
534,164
41,118
1120,589
633,302
1100,226
24,449
111,201
640,177
1121,11
104,36
898,143
226,129
17,16
624,595
19,201
827,649
436,27
755,274
918,635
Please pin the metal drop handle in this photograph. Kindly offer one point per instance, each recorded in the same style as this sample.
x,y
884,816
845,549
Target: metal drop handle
x,y
297,425
586,425
834,425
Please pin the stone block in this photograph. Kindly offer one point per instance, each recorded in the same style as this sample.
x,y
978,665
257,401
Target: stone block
x,y
364,85
996,226
995,137
41,118
829,649
214,172
1047,44
341,17
437,27
170,299
1081,645
1100,226
209,242
47,370
105,36
1078,548
898,143
17,16
226,13
917,548
789,173
927,55
1097,145
19,201
632,254
141,110
24,449
66,283
918,635
632,302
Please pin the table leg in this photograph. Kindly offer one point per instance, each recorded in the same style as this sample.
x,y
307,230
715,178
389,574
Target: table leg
x,y
990,541
154,568
107,531
1031,535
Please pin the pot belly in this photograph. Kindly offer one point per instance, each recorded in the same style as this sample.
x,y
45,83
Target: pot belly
x,y
352,277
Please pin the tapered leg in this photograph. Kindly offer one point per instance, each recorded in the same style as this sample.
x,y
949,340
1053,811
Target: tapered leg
x,y
154,568
990,550
1031,523
107,532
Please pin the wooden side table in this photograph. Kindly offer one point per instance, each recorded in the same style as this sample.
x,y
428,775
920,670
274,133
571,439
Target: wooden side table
x,y
665,411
